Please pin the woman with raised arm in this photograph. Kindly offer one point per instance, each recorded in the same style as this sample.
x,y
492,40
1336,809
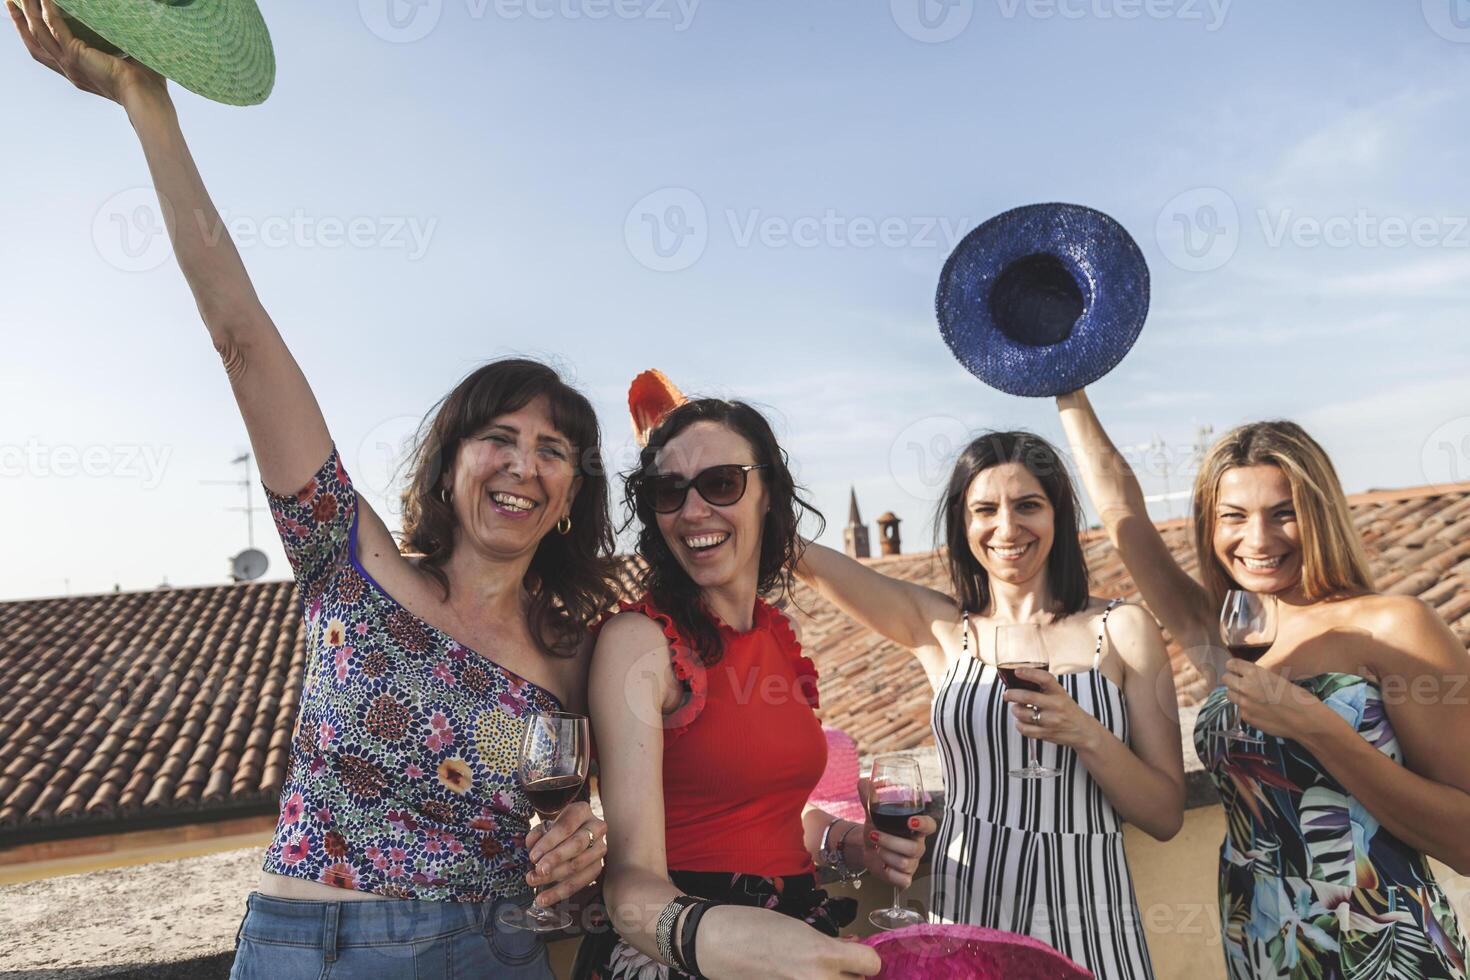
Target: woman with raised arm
x,y
1323,872
1043,857
702,703
402,829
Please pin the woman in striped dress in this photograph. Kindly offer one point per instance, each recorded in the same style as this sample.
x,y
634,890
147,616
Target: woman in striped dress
x,y
1042,857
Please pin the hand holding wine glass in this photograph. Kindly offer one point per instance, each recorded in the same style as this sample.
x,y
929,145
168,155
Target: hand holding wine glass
x,y
555,754
896,807
1248,628
1020,646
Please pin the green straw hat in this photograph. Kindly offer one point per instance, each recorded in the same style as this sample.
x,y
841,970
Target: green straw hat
x,y
219,49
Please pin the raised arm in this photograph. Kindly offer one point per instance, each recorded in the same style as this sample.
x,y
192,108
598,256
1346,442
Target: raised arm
x,y
908,614
631,686
1180,603
287,432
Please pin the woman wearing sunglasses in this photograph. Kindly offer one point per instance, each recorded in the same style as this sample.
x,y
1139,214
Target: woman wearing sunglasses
x,y
702,704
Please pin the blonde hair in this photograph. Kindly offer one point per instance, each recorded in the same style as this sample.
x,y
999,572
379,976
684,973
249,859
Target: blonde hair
x,y
1333,559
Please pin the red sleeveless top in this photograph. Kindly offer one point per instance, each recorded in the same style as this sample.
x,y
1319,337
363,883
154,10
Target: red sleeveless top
x,y
744,751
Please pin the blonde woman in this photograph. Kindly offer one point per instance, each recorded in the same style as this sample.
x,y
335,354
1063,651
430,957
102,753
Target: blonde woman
x,y
1323,871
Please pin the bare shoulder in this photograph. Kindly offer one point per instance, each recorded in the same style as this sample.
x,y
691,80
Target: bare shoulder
x,y
1134,633
1128,621
629,633
1408,627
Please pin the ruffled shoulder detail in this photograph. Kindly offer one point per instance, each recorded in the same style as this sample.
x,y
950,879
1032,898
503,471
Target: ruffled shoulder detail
x,y
773,620
691,674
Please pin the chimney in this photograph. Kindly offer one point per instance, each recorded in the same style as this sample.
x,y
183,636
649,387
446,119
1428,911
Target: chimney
x,y
888,542
855,535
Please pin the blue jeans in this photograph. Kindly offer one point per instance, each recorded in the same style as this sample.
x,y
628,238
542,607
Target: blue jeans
x,y
392,939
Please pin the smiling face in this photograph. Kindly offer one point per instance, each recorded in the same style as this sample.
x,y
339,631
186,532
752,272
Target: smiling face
x,y
716,546
1010,523
513,480
1257,539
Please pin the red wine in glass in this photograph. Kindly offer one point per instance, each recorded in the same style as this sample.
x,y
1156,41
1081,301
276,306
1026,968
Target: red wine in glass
x,y
555,753
893,818
550,795
1248,627
1012,682
1019,645
1249,651
895,793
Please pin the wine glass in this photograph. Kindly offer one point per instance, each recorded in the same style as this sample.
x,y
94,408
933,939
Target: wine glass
x,y
555,752
1020,645
895,795
1248,627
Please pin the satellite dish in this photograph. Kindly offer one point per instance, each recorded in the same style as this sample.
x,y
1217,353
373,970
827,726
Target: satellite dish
x,y
248,565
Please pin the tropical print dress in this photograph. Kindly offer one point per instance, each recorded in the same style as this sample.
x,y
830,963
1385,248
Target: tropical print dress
x,y
1311,887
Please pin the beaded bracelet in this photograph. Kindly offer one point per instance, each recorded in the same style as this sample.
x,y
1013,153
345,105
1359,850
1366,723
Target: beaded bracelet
x,y
827,856
664,929
850,875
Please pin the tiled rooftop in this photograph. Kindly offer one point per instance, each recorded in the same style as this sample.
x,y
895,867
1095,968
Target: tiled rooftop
x,y
141,703
179,703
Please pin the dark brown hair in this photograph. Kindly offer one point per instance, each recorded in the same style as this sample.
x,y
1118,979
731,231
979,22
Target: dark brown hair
x,y
670,587
1066,567
570,577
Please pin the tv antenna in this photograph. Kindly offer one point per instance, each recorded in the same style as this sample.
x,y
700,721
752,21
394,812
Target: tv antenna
x,y
251,563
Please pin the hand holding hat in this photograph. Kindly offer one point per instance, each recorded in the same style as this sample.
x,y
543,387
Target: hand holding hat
x,y
1043,299
70,49
219,49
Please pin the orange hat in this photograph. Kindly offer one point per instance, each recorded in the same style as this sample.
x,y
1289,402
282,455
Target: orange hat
x,y
651,396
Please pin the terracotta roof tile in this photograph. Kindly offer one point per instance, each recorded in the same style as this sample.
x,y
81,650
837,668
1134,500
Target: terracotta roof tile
x,y
120,706
178,704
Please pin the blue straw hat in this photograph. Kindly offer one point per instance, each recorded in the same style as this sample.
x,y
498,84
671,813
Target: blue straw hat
x,y
1043,299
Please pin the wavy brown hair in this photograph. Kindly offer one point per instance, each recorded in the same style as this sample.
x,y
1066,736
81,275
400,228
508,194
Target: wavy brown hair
x,y
1333,560
570,579
665,580
1066,566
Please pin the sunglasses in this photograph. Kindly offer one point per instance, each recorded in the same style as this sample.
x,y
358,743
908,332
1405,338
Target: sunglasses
x,y
718,485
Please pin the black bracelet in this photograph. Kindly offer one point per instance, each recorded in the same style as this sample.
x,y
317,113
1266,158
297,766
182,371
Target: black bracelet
x,y
687,936
664,929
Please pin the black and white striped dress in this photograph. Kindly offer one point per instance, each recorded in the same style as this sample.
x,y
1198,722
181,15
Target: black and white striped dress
x,y
1040,857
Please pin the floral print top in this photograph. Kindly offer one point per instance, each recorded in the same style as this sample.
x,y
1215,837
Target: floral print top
x,y
1311,885
402,773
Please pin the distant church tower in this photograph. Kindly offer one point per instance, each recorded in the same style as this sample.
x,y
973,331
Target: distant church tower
x,y
855,535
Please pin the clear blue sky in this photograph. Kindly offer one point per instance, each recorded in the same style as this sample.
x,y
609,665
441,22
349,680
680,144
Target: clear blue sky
x,y
821,158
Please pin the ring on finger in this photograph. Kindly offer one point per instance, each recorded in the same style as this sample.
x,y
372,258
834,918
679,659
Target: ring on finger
x,y
1035,715
591,838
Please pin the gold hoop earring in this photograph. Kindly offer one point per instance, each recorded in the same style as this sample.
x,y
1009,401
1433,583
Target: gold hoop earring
x,y
564,526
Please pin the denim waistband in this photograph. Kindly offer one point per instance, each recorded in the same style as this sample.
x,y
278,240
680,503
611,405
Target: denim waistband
x,y
330,926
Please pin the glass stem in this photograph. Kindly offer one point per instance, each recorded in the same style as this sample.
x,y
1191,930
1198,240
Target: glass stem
x,y
897,894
